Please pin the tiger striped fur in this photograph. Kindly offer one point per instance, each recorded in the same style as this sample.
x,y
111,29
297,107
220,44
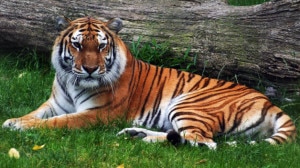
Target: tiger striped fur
x,y
97,79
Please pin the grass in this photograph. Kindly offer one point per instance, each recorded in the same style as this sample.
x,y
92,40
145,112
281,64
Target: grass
x,y
25,83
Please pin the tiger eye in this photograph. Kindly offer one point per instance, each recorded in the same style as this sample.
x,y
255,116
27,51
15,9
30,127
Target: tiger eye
x,y
102,45
76,45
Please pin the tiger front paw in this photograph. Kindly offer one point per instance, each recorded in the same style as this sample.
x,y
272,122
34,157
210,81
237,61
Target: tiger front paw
x,y
20,124
133,132
13,124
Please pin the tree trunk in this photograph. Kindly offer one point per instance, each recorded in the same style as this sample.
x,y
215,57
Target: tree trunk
x,y
249,44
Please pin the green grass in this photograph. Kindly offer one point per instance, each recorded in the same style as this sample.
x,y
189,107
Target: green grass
x,y
26,83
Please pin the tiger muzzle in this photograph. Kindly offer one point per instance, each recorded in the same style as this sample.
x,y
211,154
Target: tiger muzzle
x,y
90,70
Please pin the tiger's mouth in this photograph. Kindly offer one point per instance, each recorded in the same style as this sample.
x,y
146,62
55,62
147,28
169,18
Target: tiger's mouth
x,y
89,78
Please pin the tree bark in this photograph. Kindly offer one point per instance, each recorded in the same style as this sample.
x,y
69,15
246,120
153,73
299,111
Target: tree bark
x,y
249,44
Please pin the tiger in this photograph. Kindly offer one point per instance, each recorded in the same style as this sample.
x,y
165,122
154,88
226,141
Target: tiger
x,y
98,80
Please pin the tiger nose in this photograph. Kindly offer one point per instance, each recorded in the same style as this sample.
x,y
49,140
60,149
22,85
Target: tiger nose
x,y
89,69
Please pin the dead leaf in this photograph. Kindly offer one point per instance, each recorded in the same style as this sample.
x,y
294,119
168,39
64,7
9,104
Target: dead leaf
x,y
37,147
202,161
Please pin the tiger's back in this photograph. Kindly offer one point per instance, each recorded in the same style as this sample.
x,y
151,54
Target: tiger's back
x,y
97,78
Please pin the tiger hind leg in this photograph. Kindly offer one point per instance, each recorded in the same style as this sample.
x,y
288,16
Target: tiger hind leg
x,y
284,129
145,134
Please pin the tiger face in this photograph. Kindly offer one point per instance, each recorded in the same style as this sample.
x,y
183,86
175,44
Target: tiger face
x,y
88,56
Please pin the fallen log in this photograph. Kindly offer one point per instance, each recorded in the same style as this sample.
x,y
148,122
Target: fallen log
x,y
247,44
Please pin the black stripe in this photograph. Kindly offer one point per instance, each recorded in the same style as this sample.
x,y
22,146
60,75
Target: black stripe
x,y
196,85
95,25
89,97
179,87
52,110
65,92
178,114
61,63
190,77
132,81
83,25
178,72
60,106
187,128
54,113
224,91
146,119
204,134
278,115
278,139
208,126
157,102
220,83
63,38
288,123
159,76
80,93
83,91
149,92
100,107
157,117
112,44
206,82
232,86
61,47
70,36
170,71
221,121
238,118
48,114
120,103
264,111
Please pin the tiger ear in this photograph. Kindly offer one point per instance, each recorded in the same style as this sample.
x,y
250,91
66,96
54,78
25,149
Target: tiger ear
x,y
62,22
115,24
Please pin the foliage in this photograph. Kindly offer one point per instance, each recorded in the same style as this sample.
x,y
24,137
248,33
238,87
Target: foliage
x,y
28,59
26,83
163,55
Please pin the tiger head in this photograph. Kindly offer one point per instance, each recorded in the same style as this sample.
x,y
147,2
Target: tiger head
x,y
87,53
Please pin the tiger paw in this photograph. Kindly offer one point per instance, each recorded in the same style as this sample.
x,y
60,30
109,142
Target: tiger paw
x,y
20,124
13,124
133,132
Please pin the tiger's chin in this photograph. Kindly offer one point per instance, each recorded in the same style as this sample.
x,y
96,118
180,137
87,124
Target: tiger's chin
x,y
93,83
88,83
